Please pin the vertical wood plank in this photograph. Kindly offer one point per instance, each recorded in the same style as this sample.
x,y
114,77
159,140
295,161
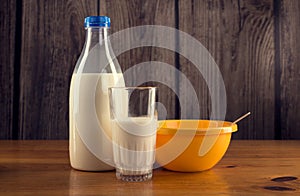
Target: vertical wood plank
x,y
240,37
53,36
7,61
289,24
130,13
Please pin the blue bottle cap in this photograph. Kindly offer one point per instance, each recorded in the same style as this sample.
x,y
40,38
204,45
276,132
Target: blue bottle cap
x,y
97,21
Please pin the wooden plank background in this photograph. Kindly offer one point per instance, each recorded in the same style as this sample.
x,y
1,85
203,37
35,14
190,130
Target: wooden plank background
x,y
255,43
7,67
240,37
52,40
290,68
145,13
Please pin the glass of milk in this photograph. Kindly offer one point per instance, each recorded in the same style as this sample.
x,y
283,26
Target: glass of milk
x,y
133,125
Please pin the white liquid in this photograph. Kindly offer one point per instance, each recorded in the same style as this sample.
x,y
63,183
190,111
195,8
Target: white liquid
x,y
134,154
89,109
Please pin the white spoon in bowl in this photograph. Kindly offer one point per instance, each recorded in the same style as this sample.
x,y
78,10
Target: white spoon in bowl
x,y
241,118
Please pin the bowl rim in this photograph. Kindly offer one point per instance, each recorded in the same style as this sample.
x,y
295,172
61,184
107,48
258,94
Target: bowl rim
x,y
161,130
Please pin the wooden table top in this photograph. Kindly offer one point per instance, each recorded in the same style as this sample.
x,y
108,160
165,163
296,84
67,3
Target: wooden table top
x,y
248,168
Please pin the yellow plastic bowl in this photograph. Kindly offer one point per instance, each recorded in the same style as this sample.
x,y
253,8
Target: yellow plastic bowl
x,y
208,142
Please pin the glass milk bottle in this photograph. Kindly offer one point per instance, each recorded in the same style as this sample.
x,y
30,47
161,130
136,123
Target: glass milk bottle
x,y
96,70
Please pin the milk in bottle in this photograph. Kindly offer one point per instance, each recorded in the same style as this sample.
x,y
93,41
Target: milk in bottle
x,y
97,69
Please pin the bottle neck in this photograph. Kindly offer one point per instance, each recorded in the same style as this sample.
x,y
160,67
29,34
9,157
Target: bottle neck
x,y
97,42
96,36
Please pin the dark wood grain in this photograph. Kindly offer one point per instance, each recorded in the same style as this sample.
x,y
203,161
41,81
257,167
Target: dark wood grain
x,y
131,13
52,39
7,61
43,168
240,37
289,22
38,55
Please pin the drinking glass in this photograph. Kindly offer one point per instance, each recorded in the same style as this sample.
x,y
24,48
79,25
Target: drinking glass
x,y
134,124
